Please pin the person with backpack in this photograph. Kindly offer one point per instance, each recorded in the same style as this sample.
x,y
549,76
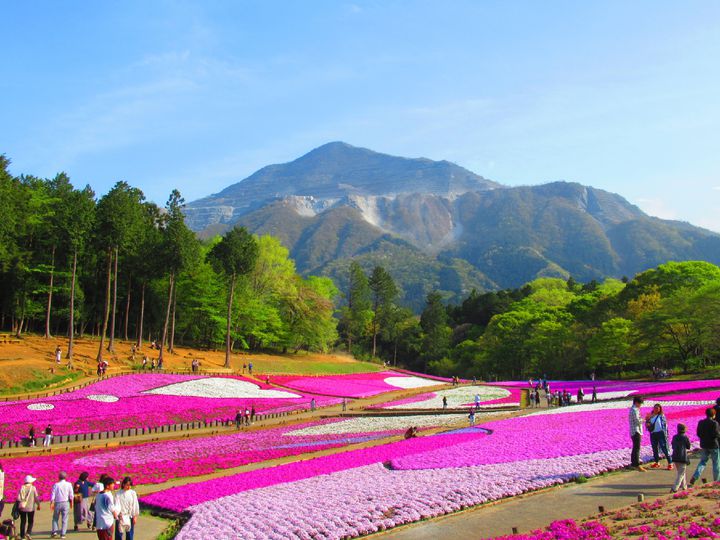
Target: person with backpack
x,y
656,424
708,431
81,510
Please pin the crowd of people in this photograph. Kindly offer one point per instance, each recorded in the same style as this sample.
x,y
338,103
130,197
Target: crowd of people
x,y
100,506
676,452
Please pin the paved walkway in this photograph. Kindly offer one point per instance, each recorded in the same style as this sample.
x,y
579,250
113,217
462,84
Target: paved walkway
x,y
147,528
539,509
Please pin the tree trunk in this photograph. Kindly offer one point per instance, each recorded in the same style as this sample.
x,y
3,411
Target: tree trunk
x,y
171,345
106,309
229,319
50,293
142,315
171,287
71,324
111,343
127,308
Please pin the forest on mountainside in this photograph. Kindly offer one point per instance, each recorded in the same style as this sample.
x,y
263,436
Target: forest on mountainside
x,y
122,267
667,318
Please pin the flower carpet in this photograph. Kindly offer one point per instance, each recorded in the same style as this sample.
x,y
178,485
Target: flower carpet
x,y
462,396
356,385
364,491
687,514
153,463
618,389
147,400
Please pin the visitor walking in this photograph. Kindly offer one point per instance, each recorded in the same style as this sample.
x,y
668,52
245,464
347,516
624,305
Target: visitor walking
x,y
471,417
680,446
708,432
594,395
47,440
58,354
252,414
344,404
105,513
657,426
31,435
580,395
636,433
250,368
81,490
128,509
312,404
238,419
444,402
247,416
28,501
61,501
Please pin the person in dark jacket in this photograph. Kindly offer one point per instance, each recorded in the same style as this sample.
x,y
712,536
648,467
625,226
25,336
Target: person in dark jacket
x,y
717,409
708,431
680,445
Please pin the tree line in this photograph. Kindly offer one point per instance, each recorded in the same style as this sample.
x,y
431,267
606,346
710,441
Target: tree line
x,y
120,266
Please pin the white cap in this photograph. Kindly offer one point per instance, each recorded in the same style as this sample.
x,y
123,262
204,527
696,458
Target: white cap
x,y
29,479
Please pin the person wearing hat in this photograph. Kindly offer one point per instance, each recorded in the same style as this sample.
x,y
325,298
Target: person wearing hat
x,y
28,501
61,502
636,426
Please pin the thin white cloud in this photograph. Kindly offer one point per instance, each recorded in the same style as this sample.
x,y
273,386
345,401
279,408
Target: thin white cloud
x,y
657,207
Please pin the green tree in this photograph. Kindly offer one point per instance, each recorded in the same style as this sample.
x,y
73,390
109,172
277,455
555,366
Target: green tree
x,y
235,255
357,314
436,332
180,249
119,221
384,292
609,348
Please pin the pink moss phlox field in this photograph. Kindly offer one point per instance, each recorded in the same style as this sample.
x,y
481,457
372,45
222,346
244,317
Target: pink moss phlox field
x,y
371,498
654,387
542,436
182,497
355,385
73,412
353,493
566,529
153,463
512,399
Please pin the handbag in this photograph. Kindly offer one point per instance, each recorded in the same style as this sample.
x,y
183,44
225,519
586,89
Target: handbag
x,y
125,523
15,512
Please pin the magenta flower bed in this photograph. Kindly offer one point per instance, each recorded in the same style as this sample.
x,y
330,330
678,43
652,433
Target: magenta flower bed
x,y
182,497
74,412
154,463
512,399
352,494
631,386
543,436
356,385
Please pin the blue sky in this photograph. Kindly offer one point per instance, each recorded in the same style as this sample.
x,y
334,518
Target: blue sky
x,y
624,96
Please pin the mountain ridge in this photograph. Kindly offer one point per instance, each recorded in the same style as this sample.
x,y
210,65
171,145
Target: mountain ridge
x,y
451,227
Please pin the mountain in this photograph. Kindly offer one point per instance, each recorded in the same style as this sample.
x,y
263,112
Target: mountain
x,y
436,225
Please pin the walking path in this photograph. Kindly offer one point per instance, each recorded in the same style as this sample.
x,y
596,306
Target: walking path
x,y
538,509
147,527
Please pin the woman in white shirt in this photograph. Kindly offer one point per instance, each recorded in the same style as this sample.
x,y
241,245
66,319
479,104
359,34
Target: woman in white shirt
x,y
128,509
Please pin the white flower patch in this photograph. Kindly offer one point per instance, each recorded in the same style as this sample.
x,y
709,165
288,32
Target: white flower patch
x,y
586,407
411,382
103,398
220,387
370,424
40,407
457,397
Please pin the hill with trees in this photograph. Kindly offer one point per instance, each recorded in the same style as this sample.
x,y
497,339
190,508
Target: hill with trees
x,y
437,226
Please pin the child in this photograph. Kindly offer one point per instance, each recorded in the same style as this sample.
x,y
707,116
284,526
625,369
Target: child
x,y
680,445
